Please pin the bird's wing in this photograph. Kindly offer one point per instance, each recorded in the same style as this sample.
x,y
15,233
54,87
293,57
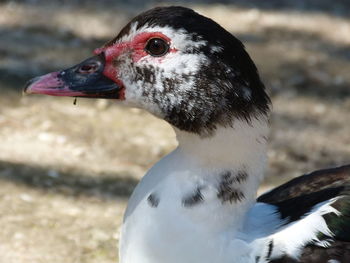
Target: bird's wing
x,y
308,183
338,252
317,200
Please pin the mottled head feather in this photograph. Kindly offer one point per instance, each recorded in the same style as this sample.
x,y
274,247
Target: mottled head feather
x,y
223,85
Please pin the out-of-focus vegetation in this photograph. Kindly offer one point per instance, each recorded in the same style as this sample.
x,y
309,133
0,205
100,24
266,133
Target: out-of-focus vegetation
x,y
66,171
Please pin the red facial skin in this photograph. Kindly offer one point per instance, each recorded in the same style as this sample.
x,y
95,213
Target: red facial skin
x,y
48,83
137,45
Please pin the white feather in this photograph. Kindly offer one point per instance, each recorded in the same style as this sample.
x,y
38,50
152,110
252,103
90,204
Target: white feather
x,y
295,236
204,233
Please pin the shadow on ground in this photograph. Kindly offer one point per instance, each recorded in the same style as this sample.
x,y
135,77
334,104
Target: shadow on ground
x,y
72,183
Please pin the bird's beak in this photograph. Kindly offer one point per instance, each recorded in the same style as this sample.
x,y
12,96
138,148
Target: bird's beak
x,y
83,80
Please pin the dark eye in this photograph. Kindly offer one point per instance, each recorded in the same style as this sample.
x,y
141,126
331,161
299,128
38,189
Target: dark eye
x,y
157,47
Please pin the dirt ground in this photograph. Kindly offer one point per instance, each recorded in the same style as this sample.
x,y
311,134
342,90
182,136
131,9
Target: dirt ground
x,y
67,170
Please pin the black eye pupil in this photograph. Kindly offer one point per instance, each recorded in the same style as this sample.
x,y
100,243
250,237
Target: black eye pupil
x,y
157,47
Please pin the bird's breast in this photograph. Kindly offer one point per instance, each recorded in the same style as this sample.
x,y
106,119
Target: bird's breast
x,y
180,219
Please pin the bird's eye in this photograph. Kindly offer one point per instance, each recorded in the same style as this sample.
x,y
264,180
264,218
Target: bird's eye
x,y
157,47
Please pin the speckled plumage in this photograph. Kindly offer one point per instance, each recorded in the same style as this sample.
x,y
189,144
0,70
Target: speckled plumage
x,y
211,82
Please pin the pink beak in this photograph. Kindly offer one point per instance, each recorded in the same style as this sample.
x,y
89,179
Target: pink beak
x,y
83,80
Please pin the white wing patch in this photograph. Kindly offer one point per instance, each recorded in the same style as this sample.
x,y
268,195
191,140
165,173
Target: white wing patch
x,y
292,239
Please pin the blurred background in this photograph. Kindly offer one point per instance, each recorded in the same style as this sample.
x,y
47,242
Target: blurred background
x,y
67,170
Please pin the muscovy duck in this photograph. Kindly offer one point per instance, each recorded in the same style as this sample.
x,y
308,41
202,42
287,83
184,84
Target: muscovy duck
x,y
198,204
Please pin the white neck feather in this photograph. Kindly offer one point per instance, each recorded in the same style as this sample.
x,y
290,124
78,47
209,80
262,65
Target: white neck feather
x,y
241,147
242,144
197,163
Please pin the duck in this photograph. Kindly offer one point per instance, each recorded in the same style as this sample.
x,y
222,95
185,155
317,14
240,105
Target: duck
x,y
199,203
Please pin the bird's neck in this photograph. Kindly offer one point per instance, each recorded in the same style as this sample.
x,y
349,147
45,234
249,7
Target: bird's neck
x,y
242,144
239,150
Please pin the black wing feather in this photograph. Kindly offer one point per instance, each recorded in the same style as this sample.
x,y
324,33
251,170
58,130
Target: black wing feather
x,y
297,197
308,183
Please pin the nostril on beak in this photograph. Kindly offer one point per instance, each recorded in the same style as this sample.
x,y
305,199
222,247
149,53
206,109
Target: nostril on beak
x,y
88,68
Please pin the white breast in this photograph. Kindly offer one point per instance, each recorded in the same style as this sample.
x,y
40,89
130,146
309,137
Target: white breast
x,y
207,232
171,232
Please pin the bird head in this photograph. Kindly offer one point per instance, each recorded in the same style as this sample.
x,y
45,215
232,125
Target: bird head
x,y
173,62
